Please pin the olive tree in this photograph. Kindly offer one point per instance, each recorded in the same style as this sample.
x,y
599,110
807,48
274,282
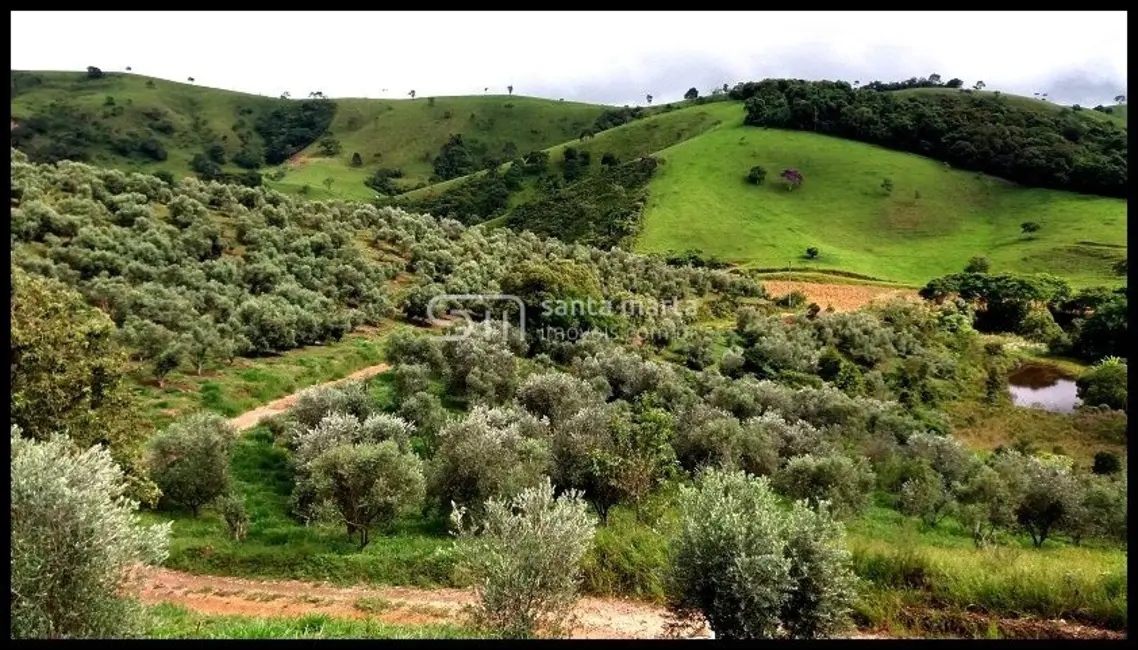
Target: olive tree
x,y
841,481
368,484
489,453
189,460
74,536
754,569
524,556
926,496
986,505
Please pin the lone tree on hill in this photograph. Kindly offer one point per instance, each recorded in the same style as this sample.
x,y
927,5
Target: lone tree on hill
x,y
793,178
811,253
1120,99
649,98
979,85
692,93
412,94
1029,227
93,72
191,79
757,175
510,89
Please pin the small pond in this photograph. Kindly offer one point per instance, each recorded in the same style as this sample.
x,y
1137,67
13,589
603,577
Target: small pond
x,y
1040,385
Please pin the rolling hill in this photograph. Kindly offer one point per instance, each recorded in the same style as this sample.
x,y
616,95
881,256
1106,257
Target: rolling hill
x,y
186,118
934,219
932,222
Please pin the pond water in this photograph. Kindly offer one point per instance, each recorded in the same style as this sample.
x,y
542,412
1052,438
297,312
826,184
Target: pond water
x,y
1044,386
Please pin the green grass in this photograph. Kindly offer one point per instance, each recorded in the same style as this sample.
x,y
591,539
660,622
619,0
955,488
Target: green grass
x,y
232,390
909,566
405,133
698,199
181,102
642,137
170,621
417,552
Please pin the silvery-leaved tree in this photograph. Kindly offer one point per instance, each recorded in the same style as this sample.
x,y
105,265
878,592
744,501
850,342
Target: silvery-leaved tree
x,y
524,555
74,537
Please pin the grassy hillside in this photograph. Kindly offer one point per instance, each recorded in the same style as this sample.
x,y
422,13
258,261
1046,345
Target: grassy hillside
x,y
406,134
127,103
638,138
699,199
403,134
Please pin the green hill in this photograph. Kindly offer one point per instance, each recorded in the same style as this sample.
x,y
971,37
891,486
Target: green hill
x,y
104,113
407,134
934,220
183,118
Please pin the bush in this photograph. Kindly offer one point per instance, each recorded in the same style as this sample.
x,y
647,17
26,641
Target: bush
x,y
74,535
367,484
1104,384
811,253
978,264
1106,463
757,175
525,560
753,569
926,496
839,480
232,509
408,380
189,460
491,453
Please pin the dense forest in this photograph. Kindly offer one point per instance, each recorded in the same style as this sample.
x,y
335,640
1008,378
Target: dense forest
x,y
985,133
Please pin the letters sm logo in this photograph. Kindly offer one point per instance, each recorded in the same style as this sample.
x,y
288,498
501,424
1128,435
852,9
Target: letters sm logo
x,y
488,304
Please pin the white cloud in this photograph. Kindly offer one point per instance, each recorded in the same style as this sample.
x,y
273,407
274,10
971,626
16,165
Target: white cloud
x,y
612,57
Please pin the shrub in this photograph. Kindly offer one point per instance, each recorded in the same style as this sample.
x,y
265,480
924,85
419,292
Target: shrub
x,y
189,460
985,505
368,484
839,480
1107,462
232,509
811,253
426,412
556,395
408,380
490,453
74,535
978,264
314,404
1104,384
753,569
525,559
757,175
926,496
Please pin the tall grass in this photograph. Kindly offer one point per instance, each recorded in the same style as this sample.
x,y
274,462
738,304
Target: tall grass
x,y
176,622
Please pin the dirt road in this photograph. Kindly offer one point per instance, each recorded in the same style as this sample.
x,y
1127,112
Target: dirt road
x,y
598,618
249,419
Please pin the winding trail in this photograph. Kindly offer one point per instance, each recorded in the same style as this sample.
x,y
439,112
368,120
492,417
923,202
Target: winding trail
x,y
249,419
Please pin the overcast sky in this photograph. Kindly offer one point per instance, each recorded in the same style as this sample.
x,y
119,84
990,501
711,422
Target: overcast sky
x,y
605,57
